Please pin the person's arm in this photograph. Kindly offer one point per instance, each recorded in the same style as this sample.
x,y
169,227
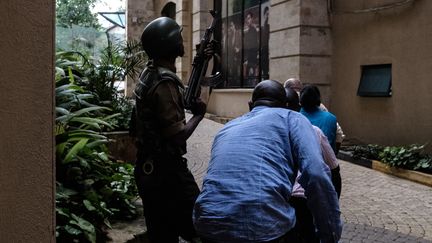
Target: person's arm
x,y
339,137
339,132
171,115
336,180
198,110
321,195
331,160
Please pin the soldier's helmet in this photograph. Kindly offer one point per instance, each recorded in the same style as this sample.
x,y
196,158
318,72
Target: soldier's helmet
x,y
162,38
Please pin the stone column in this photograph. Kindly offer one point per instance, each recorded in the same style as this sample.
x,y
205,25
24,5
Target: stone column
x,y
284,43
184,19
139,13
300,42
316,46
27,160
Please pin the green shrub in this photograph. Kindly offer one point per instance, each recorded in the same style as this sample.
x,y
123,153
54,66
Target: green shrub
x,y
91,188
370,151
410,157
99,77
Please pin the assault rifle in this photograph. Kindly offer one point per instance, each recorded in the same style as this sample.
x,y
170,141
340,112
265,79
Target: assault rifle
x,y
199,67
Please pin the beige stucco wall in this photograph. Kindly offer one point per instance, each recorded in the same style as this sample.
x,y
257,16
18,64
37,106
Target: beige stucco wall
x,y
229,102
401,36
26,121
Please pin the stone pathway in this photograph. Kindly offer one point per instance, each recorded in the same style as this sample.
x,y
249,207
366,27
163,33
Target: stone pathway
x,y
375,207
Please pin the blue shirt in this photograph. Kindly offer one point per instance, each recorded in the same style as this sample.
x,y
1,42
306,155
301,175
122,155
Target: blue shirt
x,y
326,121
246,191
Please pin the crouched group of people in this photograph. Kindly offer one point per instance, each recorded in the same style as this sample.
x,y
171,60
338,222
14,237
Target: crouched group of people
x,y
272,176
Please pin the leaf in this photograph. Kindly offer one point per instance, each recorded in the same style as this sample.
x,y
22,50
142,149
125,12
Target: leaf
x,y
61,211
62,111
83,162
60,148
94,122
107,223
85,110
64,192
69,88
103,156
111,116
97,143
82,223
88,205
71,76
71,230
78,113
88,182
105,209
75,150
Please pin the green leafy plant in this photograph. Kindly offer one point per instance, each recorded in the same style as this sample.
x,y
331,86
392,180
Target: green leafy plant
x,y
370,151
117,61
410,157
91,188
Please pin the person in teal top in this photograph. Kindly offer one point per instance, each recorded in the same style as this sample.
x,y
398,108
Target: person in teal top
x,y
310,100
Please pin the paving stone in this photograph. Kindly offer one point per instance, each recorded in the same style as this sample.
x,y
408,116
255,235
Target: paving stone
x,y
375,207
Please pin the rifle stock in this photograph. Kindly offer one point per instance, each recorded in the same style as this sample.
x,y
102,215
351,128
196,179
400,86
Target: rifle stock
x,y
199,66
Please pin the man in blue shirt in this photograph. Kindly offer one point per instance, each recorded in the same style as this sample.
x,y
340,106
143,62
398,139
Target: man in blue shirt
x,y
254,161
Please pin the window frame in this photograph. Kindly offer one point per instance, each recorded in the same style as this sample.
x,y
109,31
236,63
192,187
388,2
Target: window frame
x,y
367,88
243,84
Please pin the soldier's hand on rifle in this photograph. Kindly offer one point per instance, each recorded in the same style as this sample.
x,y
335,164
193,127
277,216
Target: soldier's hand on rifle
x,y
199,107
211,49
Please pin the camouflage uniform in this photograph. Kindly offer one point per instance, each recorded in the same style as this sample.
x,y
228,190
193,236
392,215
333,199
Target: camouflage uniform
x,y
166,186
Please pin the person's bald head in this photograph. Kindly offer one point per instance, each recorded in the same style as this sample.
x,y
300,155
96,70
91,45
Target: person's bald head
x,y
268,93
294,83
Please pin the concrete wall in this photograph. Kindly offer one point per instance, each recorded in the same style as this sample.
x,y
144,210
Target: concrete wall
x,y
27,121
401,36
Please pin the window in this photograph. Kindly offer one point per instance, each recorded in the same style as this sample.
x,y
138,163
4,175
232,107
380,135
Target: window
x,y
375,81
244,36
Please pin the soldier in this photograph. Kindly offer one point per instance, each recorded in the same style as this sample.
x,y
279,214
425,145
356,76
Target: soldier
x,y
166,186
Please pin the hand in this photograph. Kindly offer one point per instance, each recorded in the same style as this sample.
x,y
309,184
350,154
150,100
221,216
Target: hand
x,y
211,49
198,107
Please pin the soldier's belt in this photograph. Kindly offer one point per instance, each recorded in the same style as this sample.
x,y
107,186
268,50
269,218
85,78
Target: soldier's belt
x,y
148,167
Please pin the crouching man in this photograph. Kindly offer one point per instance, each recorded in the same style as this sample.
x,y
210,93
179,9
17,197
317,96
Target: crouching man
x,y
254,161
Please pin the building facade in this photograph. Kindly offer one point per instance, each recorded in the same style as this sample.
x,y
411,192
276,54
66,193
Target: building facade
x,y
366,34
369,58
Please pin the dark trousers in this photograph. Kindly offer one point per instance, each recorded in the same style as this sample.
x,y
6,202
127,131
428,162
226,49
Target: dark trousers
x,y
304,227
168,196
